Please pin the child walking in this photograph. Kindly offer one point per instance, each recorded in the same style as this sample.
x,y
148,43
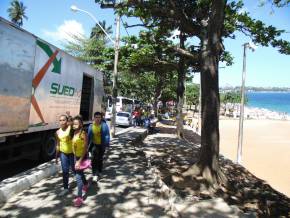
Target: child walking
x,y
64,151
79,143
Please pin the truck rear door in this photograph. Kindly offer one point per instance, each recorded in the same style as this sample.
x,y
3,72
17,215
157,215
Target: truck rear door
x,y
17,53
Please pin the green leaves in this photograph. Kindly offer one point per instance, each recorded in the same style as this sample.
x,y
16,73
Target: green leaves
x,y
262,34
145,65
17,12
192,94
232,97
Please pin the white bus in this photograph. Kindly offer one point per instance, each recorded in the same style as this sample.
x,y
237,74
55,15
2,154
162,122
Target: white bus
x,y
122,104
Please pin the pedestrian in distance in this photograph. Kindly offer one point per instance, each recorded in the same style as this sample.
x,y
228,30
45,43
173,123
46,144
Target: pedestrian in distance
x,y
99,140
197,127
79,144
134,117
64,151
138,117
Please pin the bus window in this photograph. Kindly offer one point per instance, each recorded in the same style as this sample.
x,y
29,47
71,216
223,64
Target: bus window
x,y
127,101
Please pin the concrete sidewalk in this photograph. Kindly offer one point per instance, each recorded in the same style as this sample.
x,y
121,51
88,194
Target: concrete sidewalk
x,y
129,187
125,190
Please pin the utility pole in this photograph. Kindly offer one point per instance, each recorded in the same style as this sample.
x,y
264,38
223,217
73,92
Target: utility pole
x,y
115,76
112,4
241,120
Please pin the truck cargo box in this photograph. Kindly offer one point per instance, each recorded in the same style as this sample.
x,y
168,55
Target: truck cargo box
x,y
17,56
39,82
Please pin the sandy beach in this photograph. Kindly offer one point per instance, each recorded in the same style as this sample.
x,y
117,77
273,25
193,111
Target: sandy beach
x,y
266,149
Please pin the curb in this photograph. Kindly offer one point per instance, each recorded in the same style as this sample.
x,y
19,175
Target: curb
x,y
25,180
166,192
124,130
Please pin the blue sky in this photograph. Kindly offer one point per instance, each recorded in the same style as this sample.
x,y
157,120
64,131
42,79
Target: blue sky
x,y
52,20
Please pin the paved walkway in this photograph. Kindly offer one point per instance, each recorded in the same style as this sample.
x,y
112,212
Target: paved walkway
x,y
127,189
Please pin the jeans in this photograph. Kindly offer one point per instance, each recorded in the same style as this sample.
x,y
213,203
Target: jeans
x,y
134,122
98,152
67,161
81,180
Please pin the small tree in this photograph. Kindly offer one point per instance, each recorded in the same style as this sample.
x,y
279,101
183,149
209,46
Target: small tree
x,y
151,59
192,94
17,12
99,33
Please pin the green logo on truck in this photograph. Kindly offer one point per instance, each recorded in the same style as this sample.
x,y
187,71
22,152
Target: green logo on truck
x,y
56,63
59,89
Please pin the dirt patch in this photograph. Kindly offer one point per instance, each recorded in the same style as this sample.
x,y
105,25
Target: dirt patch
x,y
14,113
172,156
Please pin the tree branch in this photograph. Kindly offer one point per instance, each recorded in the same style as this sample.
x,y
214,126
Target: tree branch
x,y
142,25
193,57
166,63
170,11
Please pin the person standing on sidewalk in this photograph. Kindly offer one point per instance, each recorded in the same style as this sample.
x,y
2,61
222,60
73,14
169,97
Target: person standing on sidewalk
x,y
99,140
79,144
64,151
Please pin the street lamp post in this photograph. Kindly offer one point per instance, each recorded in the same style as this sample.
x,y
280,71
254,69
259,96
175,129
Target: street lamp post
x,y
112,4
115,73
75,9
115,76
241,119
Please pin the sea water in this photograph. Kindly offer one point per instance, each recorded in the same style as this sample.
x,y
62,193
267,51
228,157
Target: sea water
x,y
274,101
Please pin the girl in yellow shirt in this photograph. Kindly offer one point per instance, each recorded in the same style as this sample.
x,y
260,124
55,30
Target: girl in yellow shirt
x,y
64,151
79,145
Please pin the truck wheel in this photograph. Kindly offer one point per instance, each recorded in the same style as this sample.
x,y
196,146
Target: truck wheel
x,y
48,148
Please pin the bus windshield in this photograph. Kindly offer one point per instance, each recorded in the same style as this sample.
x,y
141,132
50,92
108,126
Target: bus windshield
x,y
126,105
122,104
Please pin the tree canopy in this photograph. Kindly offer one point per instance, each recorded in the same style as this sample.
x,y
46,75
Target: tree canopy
x,y
192,94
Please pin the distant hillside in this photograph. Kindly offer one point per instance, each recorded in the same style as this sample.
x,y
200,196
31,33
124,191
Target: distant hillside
x,y
256,89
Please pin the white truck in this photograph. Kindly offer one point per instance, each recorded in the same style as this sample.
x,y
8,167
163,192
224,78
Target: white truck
x,y
38,83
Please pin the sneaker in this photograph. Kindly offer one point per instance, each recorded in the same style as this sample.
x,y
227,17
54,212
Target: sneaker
x,y
85,188
78,201
64,192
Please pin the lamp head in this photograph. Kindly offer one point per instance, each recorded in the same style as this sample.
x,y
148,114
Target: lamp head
x,y
252,46
74,8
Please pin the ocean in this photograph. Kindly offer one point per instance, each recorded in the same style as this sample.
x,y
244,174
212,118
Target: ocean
x,y
274,101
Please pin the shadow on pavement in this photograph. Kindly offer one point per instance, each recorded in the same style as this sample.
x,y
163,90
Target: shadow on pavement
x,y
124,190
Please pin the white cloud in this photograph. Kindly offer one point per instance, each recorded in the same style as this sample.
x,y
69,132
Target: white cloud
x,y
243,10
176,32
66,31
174,35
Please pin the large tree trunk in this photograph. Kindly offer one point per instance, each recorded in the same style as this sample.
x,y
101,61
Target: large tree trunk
x,y
180,90
208,164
